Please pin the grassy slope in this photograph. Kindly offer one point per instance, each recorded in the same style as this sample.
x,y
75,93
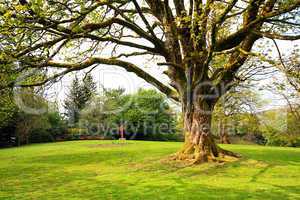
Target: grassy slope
x,y
87,170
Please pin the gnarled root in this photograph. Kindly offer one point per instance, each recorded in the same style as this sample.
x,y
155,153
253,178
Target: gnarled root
x,y
194,154
224,153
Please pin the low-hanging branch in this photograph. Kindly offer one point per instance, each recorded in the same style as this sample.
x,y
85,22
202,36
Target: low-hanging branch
x,y
277,36
109,61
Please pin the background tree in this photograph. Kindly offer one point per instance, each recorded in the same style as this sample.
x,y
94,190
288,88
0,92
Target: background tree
x,y
8,109
17,126
144,115
187,36
72,102
239,106
79,95
149,116
100,115
88,88
290,66
284,129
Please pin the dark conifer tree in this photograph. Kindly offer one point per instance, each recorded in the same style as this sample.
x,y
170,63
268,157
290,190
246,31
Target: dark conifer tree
x,y
78,97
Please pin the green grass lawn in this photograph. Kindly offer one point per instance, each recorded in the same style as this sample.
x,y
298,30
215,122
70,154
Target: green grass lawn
x,y
105,170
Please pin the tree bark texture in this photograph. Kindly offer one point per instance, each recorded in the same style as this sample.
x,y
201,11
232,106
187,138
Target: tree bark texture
x,y
199,145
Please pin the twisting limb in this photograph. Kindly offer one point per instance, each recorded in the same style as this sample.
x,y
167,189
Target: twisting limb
x,y
106,61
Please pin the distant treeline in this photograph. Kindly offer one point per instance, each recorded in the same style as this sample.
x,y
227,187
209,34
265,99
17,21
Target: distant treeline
x,y
26,116
144,115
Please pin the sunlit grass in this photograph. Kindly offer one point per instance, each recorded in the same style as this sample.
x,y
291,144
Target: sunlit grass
x,y
138,170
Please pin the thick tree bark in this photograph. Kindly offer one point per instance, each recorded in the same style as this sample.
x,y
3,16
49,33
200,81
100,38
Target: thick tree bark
x,y
199,143
224,138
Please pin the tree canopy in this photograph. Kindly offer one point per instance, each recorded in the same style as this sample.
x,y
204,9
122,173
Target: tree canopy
x,y
38,33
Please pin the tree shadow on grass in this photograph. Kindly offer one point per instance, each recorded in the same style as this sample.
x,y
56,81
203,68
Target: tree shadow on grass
x,y
83,185
153,179
84,158
277,155
193,191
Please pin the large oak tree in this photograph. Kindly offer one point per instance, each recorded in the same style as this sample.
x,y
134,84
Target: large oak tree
x,y
203,44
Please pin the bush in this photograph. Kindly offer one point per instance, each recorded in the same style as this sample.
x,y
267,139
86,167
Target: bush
x,y
283,140
40,135
74,133
294,142
275,140
259,139
58,126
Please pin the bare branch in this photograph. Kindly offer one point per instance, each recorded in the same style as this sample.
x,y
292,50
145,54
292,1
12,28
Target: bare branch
x,y
126,65
277,36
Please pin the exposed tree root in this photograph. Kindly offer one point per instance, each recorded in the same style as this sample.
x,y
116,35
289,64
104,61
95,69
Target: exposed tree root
x,y
224,152
199,146
192,154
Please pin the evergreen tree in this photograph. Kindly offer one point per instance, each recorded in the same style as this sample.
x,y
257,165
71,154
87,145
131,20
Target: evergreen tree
x,y
88,88
71,102
78,97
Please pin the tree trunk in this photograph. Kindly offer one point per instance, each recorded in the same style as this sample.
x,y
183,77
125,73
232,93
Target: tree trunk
x,y
224,138
199,143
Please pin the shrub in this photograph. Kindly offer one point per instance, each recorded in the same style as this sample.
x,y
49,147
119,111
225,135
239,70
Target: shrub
x,y
283,140
40,135
275,140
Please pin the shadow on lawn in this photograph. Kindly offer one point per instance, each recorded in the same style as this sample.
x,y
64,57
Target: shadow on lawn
x,y
194,191
198,191
262,171
85,158
276,155
140,175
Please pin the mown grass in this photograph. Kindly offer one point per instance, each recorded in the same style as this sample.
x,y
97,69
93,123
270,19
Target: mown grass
x,y
136,170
